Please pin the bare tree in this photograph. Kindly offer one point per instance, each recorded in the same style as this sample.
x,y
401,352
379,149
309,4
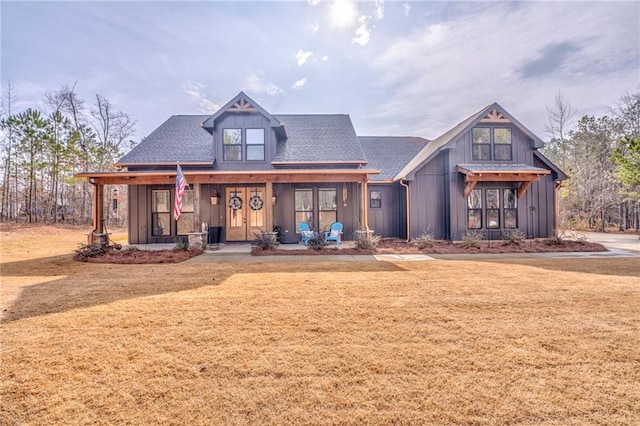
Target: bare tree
x,y
113,129
9,199
559,117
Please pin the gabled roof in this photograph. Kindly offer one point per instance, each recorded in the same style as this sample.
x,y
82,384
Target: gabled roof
x,y
440,142
390,154
180,138
318,139
240,103
560,175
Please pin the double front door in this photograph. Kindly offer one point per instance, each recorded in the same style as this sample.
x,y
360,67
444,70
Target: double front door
x,y
245,211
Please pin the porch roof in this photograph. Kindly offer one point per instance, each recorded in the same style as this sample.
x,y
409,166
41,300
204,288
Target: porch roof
x,y
521,173
209,176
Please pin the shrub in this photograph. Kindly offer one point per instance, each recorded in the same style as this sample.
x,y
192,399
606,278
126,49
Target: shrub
x,y
424,240
558,238
265,240
85,251
317,241
513,237
181,244
578,236
365,242
472,238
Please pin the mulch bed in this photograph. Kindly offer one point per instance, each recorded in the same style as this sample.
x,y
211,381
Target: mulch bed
x,y
142,256
398,246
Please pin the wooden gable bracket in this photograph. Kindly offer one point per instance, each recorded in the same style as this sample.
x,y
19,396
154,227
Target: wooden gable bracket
x,y
242,106
469,186
522,189
495,117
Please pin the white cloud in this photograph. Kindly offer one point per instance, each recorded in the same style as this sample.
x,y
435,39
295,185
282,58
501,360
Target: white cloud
x,y
314,2
315,27
302,57
196,91
379,9
298,84
449,70
362,32
325,58
255,84
407,9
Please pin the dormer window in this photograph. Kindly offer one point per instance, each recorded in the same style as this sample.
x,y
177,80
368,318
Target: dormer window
x,y
232,143
491,143
253,149
255,144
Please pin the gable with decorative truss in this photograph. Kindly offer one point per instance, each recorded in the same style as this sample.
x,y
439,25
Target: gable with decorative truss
x,y
495,116
242,106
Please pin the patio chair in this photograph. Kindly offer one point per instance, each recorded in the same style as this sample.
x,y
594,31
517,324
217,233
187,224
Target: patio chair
x,y
305,233
334,233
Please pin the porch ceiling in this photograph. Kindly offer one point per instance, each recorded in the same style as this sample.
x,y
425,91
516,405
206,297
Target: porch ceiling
x,y
274,176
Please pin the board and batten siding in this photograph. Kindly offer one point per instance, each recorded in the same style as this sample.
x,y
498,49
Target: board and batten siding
x,y
428,198
244,121
386,221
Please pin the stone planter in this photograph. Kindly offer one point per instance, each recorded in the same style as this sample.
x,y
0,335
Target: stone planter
x,y
197,240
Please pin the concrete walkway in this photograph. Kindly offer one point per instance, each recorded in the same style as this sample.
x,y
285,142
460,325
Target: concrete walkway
x,y
618,245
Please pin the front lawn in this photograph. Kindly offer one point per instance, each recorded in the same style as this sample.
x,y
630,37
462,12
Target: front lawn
x,y
439,342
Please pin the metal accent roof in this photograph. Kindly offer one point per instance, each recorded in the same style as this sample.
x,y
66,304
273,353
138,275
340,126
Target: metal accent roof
x,y
505,168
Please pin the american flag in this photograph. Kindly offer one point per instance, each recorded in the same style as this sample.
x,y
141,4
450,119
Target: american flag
x,y
181,185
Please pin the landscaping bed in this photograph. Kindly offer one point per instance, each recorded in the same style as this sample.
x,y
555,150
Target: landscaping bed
x,y
400,246
136,256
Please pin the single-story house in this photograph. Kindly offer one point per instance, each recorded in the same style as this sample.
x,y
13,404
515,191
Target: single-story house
x,y
250,170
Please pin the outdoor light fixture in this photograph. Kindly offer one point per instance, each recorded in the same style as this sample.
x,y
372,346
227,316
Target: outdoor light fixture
x,y
214,197
274,198
344,194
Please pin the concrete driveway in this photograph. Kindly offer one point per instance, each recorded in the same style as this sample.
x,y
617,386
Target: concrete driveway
x,y
614,242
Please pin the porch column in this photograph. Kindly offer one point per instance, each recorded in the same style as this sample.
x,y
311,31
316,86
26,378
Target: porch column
x,y
268,205
98,208
365,206
196,208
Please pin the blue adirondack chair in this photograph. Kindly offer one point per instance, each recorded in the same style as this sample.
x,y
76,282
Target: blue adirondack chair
x,y
334,233
305,233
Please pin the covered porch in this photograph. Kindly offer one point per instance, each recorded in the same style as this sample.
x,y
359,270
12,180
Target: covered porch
x,y
269,200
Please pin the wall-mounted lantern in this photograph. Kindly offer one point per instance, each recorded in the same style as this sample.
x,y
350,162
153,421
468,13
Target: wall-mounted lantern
x,y
274,198
344,194
214,197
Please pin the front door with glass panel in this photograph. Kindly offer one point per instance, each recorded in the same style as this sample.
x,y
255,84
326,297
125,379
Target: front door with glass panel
x,y
245,213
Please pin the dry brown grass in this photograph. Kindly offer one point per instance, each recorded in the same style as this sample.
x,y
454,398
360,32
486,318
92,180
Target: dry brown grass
x,y
442,342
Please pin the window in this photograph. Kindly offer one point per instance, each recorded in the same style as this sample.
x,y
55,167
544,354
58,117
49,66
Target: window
x,y
474,209
255,144
481,143
303,201
232,143
510,211
502,144
375,199
185,224
493,208
498,215
327,207
160,212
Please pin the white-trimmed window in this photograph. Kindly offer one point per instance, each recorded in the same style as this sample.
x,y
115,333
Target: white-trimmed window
x,y
255,144
232,144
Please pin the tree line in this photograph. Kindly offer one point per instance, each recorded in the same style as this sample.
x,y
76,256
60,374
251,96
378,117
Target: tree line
x,y
42,148
601,155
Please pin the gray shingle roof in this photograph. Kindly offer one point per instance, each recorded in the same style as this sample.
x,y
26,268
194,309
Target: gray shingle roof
x,y
318,138
180,138
390,154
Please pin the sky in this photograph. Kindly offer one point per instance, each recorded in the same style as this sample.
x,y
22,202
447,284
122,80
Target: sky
x,y
397,68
